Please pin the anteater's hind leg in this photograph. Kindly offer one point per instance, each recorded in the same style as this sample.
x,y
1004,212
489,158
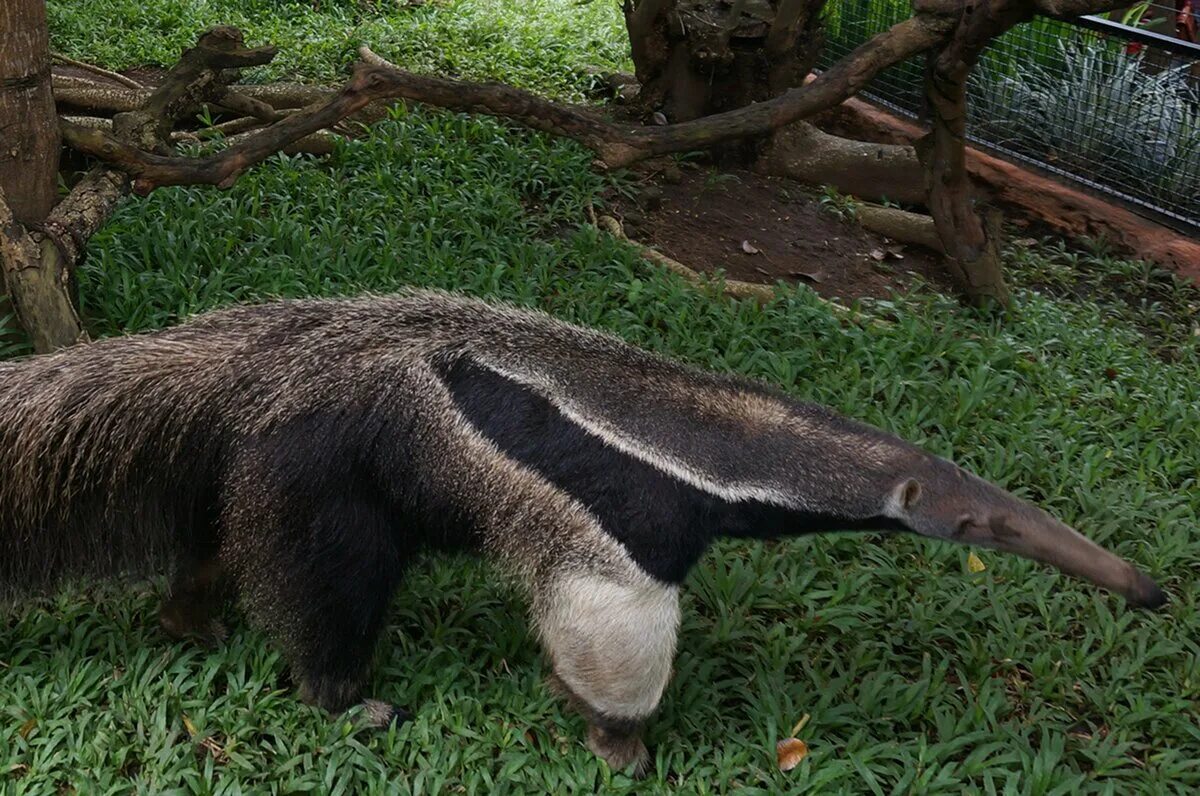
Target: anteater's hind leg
x,y
197,597
317,571
612,642
198,586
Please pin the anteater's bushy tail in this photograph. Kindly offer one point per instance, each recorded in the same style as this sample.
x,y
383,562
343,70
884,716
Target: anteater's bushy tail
x,y
105,458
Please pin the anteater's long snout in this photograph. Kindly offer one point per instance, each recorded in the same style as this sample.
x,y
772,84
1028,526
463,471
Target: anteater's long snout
x,y
1031,533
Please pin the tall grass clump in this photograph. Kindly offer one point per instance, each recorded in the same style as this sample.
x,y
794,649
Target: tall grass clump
x,y
1103,115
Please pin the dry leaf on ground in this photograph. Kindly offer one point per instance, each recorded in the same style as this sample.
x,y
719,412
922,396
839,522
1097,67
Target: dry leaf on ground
x,y
789,752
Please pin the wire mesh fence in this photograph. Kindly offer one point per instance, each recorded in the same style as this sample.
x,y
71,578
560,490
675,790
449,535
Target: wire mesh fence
x,y
1109,107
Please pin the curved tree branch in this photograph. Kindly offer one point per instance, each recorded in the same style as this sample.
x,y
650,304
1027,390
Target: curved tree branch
x,y
615,144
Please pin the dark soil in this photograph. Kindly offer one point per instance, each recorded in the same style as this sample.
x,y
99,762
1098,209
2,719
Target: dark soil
x,y
764,229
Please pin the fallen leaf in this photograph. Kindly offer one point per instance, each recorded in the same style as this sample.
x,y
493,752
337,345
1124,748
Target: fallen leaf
x,y
1110,373
896,252
27,728
811,276
749,248
1025,241
975,563
659,118
789,752
187,724
877,254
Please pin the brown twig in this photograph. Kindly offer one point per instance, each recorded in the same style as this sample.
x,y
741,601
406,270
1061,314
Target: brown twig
x,y
621,145
248,106
116,77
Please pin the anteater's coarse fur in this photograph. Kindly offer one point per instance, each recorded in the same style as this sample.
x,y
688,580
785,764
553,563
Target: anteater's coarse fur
x,y
297,454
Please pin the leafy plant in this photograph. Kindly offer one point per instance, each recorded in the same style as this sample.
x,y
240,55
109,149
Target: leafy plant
x,y
837,204
1103,115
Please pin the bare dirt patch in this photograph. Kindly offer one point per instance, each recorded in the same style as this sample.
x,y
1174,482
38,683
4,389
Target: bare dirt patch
x,y
764,229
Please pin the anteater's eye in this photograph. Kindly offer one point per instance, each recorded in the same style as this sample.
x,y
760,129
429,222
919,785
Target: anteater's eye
x,y
964,524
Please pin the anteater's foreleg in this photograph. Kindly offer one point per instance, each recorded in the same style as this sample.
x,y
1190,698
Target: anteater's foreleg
x,y
612,642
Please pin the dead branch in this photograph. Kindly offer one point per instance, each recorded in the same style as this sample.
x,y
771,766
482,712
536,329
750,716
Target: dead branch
x,y
230,128
321,142
376,79
152,171
287,95
97,122
620,145
84,210
116,77
201,75
59,78
237,102
95,97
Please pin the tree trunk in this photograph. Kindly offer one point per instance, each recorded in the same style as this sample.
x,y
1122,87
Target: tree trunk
x,y
701,57
29,142
33,271
972,248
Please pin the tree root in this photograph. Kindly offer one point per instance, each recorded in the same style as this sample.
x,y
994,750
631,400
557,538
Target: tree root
x,y
870,171
36,273
900,225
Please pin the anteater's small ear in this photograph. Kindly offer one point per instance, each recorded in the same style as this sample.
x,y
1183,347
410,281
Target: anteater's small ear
x,y
910,493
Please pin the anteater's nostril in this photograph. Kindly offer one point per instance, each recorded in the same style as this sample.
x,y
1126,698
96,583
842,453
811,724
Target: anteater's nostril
x,y
1001,528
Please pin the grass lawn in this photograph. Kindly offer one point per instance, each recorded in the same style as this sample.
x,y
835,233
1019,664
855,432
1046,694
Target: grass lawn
x,y
917,675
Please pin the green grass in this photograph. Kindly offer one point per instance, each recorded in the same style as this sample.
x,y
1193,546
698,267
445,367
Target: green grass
x,y
918,676
543,45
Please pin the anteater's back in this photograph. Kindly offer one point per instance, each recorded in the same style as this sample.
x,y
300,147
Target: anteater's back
x,y
110,452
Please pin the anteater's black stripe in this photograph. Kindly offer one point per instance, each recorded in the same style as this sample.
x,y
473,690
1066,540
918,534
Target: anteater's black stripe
x,y
665,523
